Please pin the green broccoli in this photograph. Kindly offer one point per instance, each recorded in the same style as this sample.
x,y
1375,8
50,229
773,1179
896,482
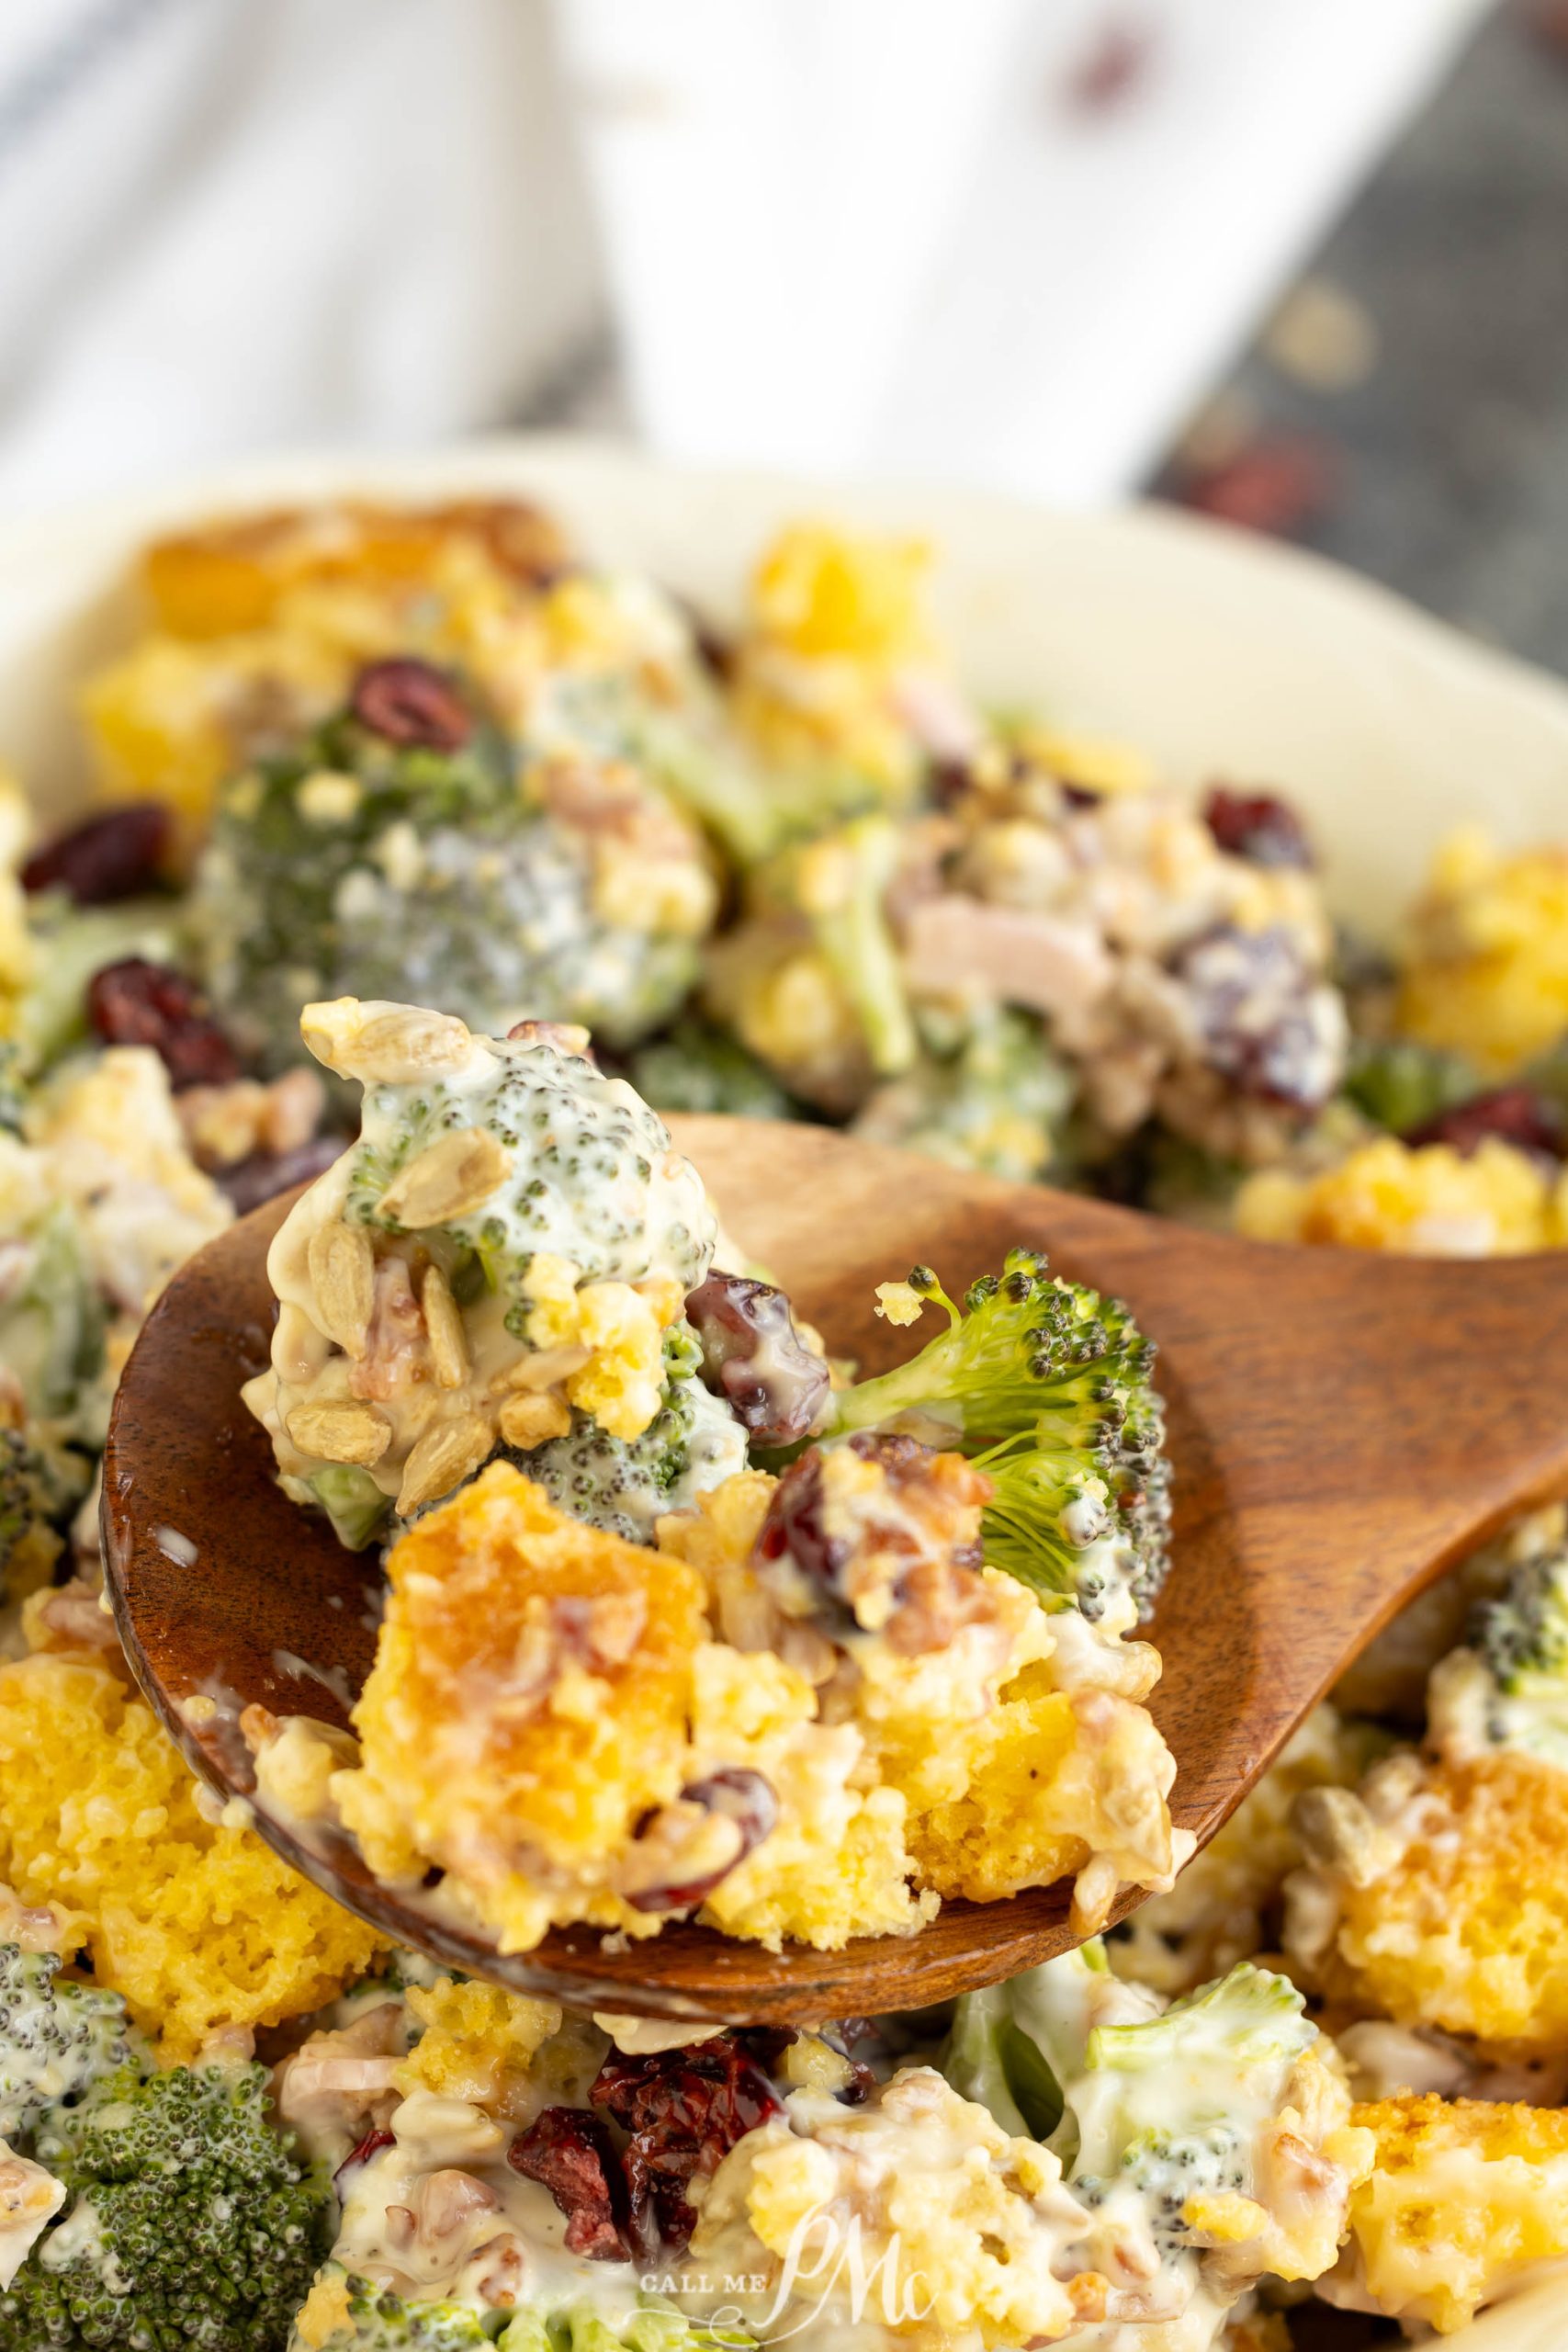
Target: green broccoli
x,y
694,1067
191,2221
840,884
40,1485
990,2059
12,1088
752,811
57,2041
1165,2105
380,2320
421,876
1015,2046
1130,2097
1046,1386
623,1484
70,943
995,1101
1521,1639
383,2322
51,1317
351,1498
1399,1084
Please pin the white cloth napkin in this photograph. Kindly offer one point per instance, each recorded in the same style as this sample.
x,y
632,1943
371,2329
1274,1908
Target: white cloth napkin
x,y
901,236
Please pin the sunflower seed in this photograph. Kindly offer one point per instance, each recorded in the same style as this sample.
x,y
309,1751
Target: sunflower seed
x,y
452,1176
343,1271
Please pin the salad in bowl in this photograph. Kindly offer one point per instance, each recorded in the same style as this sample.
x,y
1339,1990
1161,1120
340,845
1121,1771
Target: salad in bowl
x,y
428,859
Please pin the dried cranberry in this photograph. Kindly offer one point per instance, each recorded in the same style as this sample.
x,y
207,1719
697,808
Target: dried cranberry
x,y
371,2145
1279,483
921,1525
684,2110
743,1797
571,2153
138,1003
113,856
264,1174
1513,1114
754,1357
1265,1028
411,704
1258,826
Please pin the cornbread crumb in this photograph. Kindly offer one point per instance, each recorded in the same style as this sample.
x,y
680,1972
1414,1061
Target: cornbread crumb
x,y
1465,1927
1463,2198
1431,1201
478,2045
1487,976
197,1923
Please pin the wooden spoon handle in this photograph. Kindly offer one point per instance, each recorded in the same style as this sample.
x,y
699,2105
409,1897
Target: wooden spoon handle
x,y
1344,1424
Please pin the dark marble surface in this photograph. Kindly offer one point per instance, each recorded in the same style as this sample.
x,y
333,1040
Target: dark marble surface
x,y
1450,462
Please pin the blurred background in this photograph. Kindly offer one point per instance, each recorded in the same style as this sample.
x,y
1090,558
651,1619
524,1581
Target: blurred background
x,y
1301,263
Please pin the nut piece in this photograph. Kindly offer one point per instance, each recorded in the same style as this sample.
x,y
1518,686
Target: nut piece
x,y
452,1176
444,1324
527,1421
378,1041
443,1458
355,1433
343,1273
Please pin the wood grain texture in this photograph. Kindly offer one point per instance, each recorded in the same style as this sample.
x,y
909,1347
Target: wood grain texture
x,y
1342,1426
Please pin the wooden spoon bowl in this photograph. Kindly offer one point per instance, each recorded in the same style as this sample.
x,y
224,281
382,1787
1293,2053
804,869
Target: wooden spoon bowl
x,y
1342,1425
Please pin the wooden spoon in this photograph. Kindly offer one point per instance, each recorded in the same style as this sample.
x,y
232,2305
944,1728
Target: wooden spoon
x,y
1342,1426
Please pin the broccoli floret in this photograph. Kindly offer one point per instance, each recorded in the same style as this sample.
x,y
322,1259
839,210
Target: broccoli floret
x,y
1247,2018
51,1317
1047,1386
840,884
697,1068
40,1485
57,2040
70,944
997,1102
351,1498
191,2221
1522,1641
591,1177
1399,1084
380,2320
622,1485
990,2059
1158,2103
1126,2093
12,1088
1016,2045
361,868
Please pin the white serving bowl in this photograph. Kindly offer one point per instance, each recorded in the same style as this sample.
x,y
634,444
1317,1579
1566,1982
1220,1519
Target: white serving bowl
x,y
1223,654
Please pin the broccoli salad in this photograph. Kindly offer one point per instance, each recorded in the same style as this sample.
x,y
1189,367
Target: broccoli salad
x,y
428,864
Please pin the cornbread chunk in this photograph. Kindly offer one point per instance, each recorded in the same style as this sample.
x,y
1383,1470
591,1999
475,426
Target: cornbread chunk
x,y
260,622
1439,1896
1487,971
1427,1202
197,1923
1014,1736
510,1239
550,1722
528,1707
1463,2199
